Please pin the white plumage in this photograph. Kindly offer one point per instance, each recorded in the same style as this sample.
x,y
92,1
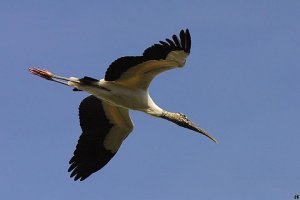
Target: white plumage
x,y
104,116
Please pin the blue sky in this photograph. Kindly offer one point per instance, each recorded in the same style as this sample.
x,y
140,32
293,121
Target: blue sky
x,y
241,83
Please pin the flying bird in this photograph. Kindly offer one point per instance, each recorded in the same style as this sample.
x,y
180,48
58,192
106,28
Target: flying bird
x,y
104,115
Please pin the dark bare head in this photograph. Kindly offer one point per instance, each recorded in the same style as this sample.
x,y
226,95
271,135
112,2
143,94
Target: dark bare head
x,y
182,120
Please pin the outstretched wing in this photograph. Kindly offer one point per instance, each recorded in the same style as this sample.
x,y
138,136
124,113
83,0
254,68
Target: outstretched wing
x,y
138,71
104,127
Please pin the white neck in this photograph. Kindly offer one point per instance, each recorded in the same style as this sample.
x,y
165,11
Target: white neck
x,y
153,109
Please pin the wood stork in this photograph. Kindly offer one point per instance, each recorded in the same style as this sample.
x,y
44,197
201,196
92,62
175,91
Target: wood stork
x,y
104,115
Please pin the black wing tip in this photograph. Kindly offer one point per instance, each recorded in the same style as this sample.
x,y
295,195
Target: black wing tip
x,y
174,43
183,42
78,170
76,175
185,38
155,52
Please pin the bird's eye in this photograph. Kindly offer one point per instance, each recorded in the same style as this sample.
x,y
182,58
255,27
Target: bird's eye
x,y
183,115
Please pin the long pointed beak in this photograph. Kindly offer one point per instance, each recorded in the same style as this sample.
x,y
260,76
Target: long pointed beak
x,y
181,120
190,125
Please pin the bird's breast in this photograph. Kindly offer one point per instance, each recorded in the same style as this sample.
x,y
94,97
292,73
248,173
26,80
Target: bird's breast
x,y
130,98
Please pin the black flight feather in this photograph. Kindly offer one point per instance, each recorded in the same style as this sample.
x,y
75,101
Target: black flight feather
x,y
155,52
90,154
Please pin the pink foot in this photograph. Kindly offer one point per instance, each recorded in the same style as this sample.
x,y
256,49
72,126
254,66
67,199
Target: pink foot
x,y
41,72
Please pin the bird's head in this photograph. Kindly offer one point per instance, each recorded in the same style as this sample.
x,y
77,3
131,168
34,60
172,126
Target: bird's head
x,y
182,120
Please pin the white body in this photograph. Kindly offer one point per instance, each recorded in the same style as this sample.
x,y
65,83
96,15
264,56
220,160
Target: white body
x,y
104,115
120,95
